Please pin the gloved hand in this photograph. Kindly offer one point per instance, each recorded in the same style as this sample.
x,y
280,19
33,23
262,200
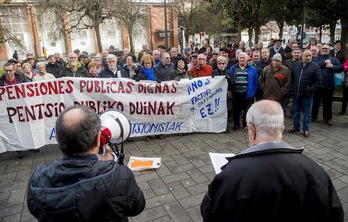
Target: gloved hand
x,y
137,79
159,81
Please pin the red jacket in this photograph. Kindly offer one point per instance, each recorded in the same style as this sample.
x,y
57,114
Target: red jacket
x,y
205,71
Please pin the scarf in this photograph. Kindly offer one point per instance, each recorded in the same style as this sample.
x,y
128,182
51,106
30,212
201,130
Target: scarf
x,y
150,73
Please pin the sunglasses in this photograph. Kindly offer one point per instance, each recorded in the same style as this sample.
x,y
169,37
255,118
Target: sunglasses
x,y
221,63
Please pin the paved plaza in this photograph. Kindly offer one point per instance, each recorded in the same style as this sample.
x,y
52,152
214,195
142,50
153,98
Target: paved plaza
x,y
174,191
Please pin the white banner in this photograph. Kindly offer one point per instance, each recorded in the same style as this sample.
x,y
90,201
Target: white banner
x,y
28,111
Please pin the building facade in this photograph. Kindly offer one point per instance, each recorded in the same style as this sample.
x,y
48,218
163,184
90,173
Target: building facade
x,y
33,28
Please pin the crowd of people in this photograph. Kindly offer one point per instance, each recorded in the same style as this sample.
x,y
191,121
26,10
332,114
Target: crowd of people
x,y
278,72
271,180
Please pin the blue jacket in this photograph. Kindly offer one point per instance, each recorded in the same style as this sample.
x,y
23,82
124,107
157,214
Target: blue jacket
x,y
253,79
328,73
305,80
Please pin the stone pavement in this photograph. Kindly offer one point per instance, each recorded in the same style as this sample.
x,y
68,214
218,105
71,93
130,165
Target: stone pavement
x,y
174,191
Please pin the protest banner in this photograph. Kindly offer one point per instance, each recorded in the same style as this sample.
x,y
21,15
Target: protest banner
x,y
28,111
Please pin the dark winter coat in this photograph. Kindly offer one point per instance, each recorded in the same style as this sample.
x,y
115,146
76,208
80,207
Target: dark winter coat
x,y
80,72
81,188
305,79
272,182
328,73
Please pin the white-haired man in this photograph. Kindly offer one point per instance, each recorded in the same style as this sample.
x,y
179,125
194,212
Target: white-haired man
x,y
113,70
271,180
74,68
246,82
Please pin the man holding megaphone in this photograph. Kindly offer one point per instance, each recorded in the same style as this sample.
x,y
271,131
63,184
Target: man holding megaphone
x,y
83,186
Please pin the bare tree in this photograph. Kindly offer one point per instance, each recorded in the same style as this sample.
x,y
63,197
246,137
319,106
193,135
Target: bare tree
x,y
7,11
76,15
131,15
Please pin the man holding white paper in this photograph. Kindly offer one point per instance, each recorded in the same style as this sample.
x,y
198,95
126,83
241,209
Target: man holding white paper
x,y
271,180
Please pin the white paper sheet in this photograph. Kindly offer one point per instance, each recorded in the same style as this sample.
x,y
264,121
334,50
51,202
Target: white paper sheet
x,y
219,159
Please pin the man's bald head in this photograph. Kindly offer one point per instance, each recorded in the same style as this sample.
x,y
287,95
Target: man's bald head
x,y
77,130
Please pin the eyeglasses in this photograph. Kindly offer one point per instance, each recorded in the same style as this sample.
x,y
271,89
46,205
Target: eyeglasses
x,y
325,48
8,70
167,58
147,63
215,54
201,59
221,63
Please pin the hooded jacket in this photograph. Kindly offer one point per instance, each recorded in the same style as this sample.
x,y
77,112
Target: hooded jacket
x,y
80,72
81,188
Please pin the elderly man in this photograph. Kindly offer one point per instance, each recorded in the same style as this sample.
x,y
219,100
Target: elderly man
x,y
53,66
174,55
59,59
124,57
74,68
275,80
83,186
276,48
165,67
306,79
201,69
329,65
42,74
113,70
296,56
156,54
256,58
10,77
144,51
271,180
246,82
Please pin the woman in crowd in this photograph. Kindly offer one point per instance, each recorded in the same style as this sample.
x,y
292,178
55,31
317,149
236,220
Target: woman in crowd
x,y
222,71
148,72
208,53
28,73
93,69
181,71
99,62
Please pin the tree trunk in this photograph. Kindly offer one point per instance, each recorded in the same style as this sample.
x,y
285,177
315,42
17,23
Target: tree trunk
x,y
131,41
239,34
257,33
97,33
281,26
332,31
250,35
344,34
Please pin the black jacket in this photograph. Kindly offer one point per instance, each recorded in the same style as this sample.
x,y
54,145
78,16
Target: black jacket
x,y
19,78
80,72
81,188
305,79
328,73
107,73
54,69
272,182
